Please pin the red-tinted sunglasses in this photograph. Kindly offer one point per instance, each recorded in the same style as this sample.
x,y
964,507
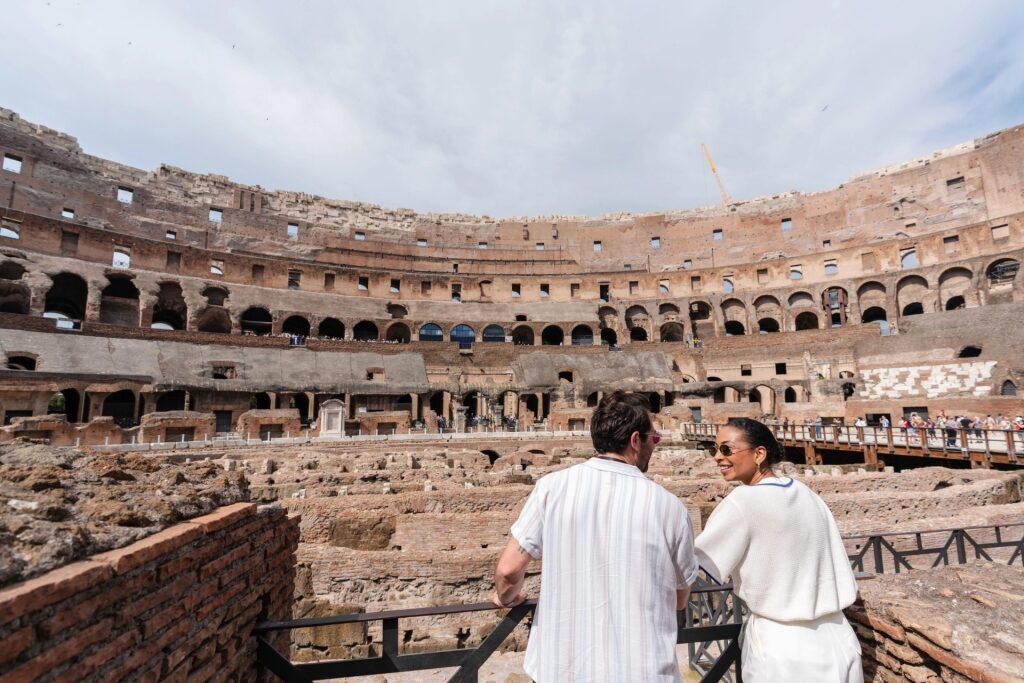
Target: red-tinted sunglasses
x,y
656,437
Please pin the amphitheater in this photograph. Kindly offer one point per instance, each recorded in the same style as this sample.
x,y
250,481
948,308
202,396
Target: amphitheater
x,y
227,408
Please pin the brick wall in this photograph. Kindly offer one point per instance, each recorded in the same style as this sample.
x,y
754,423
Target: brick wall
x,y
179,605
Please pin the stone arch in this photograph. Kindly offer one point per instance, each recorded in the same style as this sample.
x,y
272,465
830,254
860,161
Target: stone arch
x,y
637,334
398,333
552,335
1008,389
331,328
790,395
801,299
871,294
637,318
523,335
11,270
768,312
912,295
365,330
296,324
609,337
214,319
1002,272
120,405
397,311
256,320
215,295
806,320
22,360
734,316
582,335
66,297
673,332
765,396
954,283
170,310
430,332
119,302
463,335
493,333
669,309
734,328
874,314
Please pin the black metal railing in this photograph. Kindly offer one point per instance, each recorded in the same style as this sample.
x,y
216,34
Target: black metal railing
x,y
898,552
709,626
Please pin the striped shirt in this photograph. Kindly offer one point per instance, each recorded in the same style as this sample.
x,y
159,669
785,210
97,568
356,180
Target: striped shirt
x,y
616,547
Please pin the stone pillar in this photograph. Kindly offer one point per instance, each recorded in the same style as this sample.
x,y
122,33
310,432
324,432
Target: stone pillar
x,y
348,405
415,409
446,405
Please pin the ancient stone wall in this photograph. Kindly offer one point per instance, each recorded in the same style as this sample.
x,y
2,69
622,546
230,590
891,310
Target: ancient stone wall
x,y
179,604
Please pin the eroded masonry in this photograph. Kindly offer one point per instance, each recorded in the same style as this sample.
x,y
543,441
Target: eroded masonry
x,y
224,405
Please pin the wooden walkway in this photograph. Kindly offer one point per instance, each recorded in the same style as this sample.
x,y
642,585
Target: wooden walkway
x,y
981,448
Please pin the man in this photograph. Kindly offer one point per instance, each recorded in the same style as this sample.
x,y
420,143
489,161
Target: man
x,y
618,559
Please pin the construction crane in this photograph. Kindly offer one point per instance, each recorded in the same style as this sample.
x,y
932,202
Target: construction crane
x,y
714,171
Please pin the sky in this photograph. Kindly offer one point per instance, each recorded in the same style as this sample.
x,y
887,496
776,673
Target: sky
x,y
530,108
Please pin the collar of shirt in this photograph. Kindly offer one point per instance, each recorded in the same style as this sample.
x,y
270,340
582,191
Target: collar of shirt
x,y
614,466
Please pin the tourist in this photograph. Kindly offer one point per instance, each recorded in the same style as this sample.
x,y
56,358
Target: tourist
x,y
819,433
618,559
778,542
884,422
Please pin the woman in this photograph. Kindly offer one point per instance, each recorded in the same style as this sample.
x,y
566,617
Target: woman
x,y
778,542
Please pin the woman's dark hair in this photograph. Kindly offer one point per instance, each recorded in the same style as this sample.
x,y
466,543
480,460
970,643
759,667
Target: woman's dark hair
x,y
616,417
757,434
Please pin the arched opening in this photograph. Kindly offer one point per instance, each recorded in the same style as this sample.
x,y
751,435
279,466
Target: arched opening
x,y
913,309
399,333
719,395
767,325
216,320
609,337
170,310
552,336
66,298
873,315
365,331
296,324
592,400
9,270
1008,389
637,334
768,313
72,400
790,395
331,328
565,376
1002,272
431,333
119,303
21,362
673,332
849,389
754,396
493,333
463,335
256,321
171,400
397,311
734,328
668,309
469,402
523,336
260,401
215,296
437,402
955,302
121,406
492,456
654,399
969,352
301,403
531,404
806,321
582,335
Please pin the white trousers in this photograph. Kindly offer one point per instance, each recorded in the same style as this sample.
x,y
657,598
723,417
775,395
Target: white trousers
x,y
824,650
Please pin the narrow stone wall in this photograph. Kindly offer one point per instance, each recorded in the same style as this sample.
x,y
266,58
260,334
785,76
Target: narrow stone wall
x,y
178,605
950,625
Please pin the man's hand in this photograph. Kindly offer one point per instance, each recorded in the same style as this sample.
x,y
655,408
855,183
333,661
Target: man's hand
x,y
510,575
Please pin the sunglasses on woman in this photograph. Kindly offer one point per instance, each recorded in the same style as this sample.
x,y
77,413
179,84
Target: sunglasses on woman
x,y
727,450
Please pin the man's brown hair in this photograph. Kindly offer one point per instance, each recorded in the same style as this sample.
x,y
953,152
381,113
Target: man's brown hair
x,y
616,417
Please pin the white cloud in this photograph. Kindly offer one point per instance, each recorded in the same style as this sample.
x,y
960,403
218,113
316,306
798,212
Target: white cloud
x,y
522,108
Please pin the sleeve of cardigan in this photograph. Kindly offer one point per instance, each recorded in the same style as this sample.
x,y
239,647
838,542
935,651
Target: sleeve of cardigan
x,y
723,543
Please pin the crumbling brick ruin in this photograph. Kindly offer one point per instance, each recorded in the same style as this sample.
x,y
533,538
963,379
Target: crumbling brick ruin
x,y
285,405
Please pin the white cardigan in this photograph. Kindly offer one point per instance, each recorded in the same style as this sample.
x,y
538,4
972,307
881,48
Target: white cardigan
x,y
780,544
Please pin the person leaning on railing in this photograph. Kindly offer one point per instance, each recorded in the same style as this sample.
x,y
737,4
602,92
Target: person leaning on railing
x,y
618,559
778,542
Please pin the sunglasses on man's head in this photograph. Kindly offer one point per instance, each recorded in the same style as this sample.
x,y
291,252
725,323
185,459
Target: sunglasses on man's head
x,y
726,450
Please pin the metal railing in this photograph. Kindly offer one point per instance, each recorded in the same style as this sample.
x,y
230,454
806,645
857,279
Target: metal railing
x,y
898,552
921,440
709,626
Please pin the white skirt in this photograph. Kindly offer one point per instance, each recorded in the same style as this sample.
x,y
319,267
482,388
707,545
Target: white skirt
x,y
824,650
